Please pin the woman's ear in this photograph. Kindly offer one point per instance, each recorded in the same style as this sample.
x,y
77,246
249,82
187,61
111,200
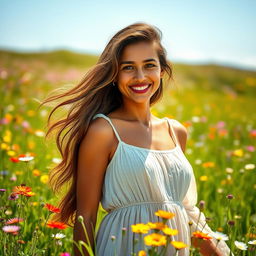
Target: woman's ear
x,y
162,73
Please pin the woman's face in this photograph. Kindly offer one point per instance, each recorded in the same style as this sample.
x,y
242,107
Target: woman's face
x,y
139,72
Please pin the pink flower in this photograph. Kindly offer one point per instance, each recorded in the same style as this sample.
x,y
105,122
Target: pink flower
x,y
250,148
11,229
64,254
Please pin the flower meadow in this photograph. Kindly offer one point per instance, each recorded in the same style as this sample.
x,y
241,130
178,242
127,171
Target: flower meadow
x,y
216,104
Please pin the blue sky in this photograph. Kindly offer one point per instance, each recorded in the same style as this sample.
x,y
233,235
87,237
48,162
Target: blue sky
x,y
193,31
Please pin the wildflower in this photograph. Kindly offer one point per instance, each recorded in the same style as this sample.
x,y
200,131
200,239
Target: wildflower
x,y
13,221
14,159
142,253
178,245
208,164
201,205
203,178
44,178
11,153
36,172
2,190
156,225
124,231
55,224
229,170
230,196
170,232
13,178
201,235
113,238
253,242
11,229
231,222
26,158
21,190
250,148
29,194
64,254
39,133
4,172
220,236
252,133
52,208
240,245
164,214
21,241
140,228
58,236
13,196
238,153
249,166
155,240
56,160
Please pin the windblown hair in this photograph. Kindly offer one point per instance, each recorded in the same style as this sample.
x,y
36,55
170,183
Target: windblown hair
x,y
94,94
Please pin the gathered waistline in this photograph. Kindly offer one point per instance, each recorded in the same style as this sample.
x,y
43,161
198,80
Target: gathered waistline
x,y
145,203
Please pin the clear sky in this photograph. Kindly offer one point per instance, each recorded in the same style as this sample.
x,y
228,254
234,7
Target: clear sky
x,y
194,31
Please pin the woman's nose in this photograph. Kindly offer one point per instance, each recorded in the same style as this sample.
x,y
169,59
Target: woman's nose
x,y
140,74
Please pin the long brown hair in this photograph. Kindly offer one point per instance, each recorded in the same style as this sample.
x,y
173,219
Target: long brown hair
x,y
94,94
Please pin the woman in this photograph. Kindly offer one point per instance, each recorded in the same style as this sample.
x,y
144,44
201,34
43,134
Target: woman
x,y
118,153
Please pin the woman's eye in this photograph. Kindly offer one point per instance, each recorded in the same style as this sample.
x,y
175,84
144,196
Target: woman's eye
x,y
150,65
127,68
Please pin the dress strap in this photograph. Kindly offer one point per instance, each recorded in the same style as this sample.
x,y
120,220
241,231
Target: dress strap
x,y
173,135
110,122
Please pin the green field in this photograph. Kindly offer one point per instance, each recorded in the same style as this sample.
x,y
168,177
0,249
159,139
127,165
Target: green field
x,y
215,103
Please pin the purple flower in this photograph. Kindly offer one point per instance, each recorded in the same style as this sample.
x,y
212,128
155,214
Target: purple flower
x,y
4,172
230,196
2,189
64,254
13,196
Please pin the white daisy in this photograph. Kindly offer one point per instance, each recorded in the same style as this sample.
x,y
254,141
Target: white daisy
x,y
249,166
240,245
58,236
26,158
220,236
253,242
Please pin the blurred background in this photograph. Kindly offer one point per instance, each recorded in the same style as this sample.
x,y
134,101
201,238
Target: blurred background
x,y
46,45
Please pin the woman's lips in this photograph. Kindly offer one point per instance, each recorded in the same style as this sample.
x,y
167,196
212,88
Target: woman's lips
x,y
140,88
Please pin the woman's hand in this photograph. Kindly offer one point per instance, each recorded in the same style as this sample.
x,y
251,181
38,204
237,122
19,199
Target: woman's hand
x,y
206,247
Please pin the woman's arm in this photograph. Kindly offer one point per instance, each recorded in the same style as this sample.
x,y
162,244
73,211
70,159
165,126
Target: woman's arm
x,y
92,162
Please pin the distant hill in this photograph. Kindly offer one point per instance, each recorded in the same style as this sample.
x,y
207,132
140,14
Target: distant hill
x,y
205,77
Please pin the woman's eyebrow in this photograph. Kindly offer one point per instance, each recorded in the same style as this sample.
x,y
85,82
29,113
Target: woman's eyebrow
x,y
132,62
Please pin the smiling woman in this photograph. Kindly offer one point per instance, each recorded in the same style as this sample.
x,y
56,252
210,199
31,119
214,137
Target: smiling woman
x,y
119,154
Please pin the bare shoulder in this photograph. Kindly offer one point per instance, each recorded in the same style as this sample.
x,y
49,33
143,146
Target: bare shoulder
x,y
99,134
180,132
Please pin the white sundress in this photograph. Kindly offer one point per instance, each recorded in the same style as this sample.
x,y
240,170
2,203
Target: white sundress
x,y
140,181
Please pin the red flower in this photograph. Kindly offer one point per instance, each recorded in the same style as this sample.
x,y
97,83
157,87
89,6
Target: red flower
x,y
55,224
52,208
14,159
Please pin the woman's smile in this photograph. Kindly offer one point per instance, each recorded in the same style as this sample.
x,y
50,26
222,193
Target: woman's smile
x,y
140,88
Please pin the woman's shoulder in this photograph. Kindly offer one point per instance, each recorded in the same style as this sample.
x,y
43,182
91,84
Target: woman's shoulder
x,y
180,131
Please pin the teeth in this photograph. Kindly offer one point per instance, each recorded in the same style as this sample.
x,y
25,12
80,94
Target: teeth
x,y
140,88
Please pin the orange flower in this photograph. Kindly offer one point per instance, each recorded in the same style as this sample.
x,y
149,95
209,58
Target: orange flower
x,y
208,164
55,224
13,221
21,190
142,253
164,214
156,225
29,194
178,245
201,235
52,208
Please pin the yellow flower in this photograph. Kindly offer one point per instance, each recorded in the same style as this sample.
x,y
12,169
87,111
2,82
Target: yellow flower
x,y
156,225
164,214
170,232
140,228
5,146
238,153
203,178
142,253
178,245
31,144
31,112
7,136
11,153
44,178
8,117
155,240
19,172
